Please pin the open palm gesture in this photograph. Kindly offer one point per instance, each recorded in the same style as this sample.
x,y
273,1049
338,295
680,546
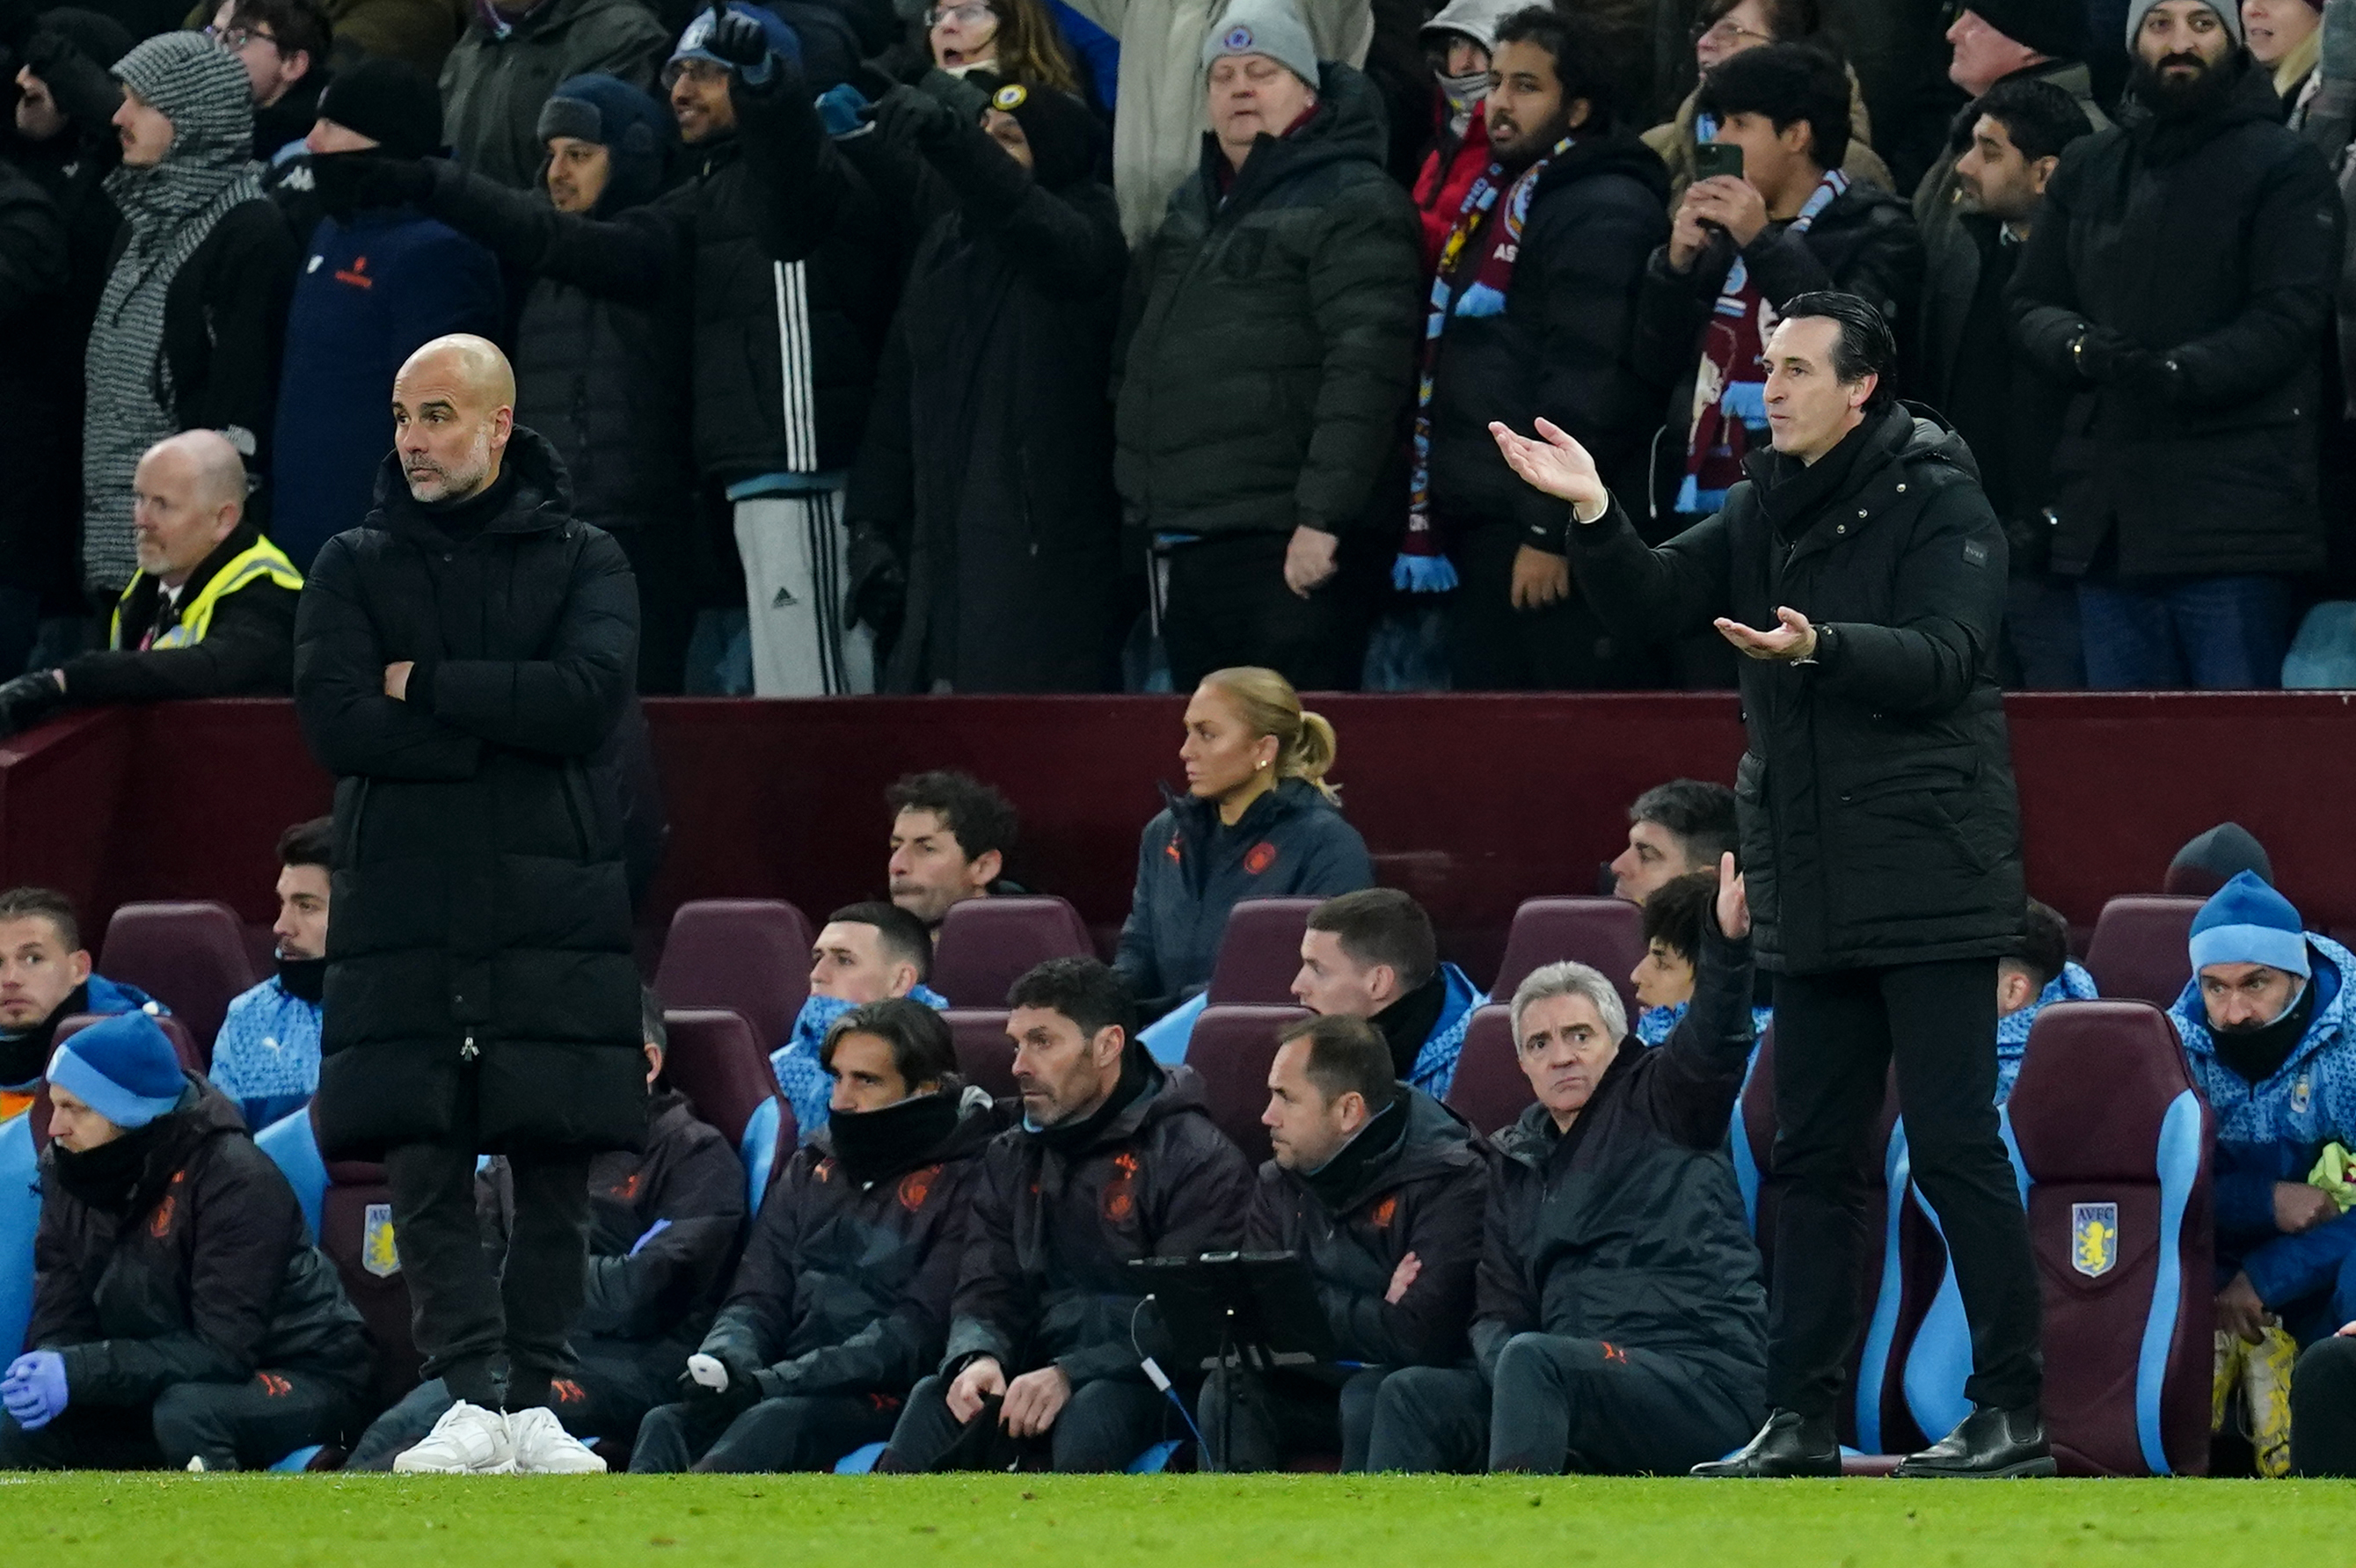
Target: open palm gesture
x,y
1733,901
1554,464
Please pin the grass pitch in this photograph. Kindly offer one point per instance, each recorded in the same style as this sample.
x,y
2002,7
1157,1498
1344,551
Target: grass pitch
x,y
1201,1521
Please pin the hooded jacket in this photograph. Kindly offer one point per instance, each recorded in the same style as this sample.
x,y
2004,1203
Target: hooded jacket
x,y
1191,869
1629,1228
192,319
988,463
845,1285
2214,244
1050,1233
1268,345
481,950
502,71
1424,1194
1879,820
1562,348
208,1276
2274,1130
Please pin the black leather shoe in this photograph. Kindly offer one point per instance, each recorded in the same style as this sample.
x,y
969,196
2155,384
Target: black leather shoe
x,y
1989,1445
1789,1445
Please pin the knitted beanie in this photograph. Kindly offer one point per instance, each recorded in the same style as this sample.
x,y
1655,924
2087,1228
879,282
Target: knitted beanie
x,y
1066,136
2047,26
1270,28
2249,922
122,1067
2208,862
390,102
635,130
2226,11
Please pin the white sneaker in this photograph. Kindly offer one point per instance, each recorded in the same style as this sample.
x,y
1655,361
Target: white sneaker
x,y
542,1446
467,1441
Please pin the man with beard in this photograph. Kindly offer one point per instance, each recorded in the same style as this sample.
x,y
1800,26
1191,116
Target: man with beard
x,y
2178,279
266,1058
45,979
1533,315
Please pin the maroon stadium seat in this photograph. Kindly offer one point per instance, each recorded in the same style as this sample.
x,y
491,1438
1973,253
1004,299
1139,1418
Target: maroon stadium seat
x,y
37,1114
357,1194
749,954
714,1060
2140,949
1259,953
191,956
184,1045
1490,1089
985,1055
987,944
1605,933
2115,1142
1232,1047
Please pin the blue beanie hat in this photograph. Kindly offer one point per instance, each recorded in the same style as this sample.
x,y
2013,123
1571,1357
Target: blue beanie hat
x,y
637,133
124,1068
782,39
2245,921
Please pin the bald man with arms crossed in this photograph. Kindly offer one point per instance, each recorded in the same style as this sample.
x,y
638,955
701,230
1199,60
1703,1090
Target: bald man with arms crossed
x,y
209,613
461,660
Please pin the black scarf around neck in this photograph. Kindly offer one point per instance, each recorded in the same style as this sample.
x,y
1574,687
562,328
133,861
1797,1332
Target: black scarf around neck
x,y
26,1057
872,1145
1793,493
1408,1023
1068,1138
113,1179
1340,1180
2256,1054
304,979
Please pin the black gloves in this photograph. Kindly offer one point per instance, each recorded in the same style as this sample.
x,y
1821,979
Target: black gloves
x,y
2099,351
916,116
27,700
2110,357
2151,376
738,40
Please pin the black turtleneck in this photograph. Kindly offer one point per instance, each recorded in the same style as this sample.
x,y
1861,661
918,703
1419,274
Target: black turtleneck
x,y
1342,1180
1408,1023
1068,1138
26,1057
462,520
2256,1054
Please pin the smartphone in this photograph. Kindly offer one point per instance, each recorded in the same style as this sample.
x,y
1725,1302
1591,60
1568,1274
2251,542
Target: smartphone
x,y
1712,160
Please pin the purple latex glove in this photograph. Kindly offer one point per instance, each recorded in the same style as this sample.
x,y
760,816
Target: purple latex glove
x,y
34,1392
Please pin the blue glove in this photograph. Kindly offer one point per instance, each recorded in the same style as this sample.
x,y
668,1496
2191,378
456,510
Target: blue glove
x,y
34,1392
657,1228
838,110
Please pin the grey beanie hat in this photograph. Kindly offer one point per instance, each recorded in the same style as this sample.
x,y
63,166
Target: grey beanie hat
x,y
1270,28
2227,11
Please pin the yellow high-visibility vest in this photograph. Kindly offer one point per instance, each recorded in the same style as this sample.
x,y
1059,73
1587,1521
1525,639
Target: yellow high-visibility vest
x,y
263,558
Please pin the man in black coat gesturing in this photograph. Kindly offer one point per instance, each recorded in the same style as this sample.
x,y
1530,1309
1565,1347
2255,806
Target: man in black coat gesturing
x,y
1880,840
460,658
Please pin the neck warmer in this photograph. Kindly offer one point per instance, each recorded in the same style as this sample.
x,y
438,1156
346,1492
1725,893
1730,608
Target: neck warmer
x,y
108,1178
1465,95
460,520
1339,1180
2256,1054
1476,269
872,1145
303,979
1068,1138
1408,1023
25,1057
1729,401
1793,494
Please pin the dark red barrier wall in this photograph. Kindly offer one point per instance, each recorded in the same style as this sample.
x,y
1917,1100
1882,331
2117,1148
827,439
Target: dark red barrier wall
x,y
1471,803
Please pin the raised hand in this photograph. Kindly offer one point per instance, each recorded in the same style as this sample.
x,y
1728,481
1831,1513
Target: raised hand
x,y
1733,901
1553,464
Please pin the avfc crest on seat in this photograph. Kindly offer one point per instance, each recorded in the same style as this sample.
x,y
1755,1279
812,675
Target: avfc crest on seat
x,y
378,1256
2093,1238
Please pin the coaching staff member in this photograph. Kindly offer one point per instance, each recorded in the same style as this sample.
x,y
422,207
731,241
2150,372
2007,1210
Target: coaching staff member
x,y
1881,843
458,659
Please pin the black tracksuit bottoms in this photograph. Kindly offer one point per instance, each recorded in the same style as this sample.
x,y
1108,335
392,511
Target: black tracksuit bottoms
x,y
1104,1427
1283,1415
467,1311
1580,1406
230,1426
1837,1036
2323,1409
798,1431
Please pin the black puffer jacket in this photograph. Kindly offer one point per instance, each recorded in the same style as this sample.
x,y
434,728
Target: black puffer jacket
x,y
987,464
1191,869
208,1276
2216,245
1563,348
1864,242
482,952
1422,1193
845,1285
690,1179
1880,823
772,213
1267,347
1051,1234
1628,1228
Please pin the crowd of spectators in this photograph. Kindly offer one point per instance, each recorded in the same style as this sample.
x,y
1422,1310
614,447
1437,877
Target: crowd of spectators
x,y
1025,345
933,1280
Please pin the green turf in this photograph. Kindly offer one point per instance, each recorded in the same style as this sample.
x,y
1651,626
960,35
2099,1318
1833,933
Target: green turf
x,y
1203,1521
